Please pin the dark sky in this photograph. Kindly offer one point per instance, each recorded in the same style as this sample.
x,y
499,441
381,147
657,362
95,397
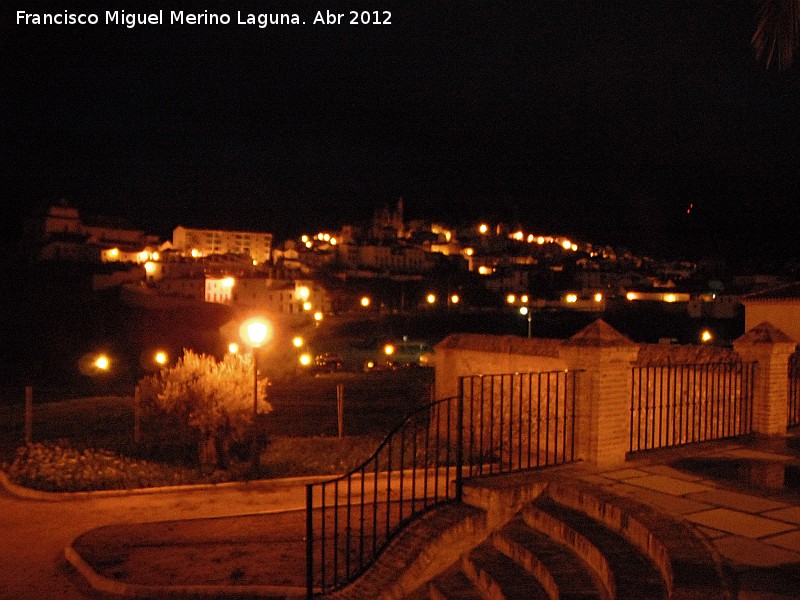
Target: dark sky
x,y
599,119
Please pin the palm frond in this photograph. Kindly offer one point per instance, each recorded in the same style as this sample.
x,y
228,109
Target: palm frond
x,y
777,35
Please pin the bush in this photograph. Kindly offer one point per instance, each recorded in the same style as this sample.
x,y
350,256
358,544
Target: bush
x,y
58,467
214,399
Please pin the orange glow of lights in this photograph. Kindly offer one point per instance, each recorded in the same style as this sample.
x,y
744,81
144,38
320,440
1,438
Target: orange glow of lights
x,y
484,270
365,301
469,251
303,293
305,359
318,316
454,299
540,240
297,342
430,298
524,298
484,228
233,347
632,296
511,298
160,357
388,349
256,331
572,298
566,244
306,305
149,267
102,362
670,298
227,282
706,336
598,297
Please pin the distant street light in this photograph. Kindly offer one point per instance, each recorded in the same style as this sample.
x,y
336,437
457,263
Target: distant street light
x,y
365,301
102,362
431,298
255,332
161,358
525,311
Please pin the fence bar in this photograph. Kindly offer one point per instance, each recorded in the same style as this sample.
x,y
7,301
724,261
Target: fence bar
x,y
685,403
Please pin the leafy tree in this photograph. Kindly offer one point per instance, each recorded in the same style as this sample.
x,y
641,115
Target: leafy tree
x,y
213,398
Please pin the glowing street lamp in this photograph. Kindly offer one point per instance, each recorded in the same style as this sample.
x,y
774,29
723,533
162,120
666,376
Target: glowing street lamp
x,y
102,362
365,301
298,342
431,298
233,347
160,358
255,332
706,336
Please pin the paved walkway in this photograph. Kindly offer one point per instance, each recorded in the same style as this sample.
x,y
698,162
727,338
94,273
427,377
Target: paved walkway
x,y
757,532
34,532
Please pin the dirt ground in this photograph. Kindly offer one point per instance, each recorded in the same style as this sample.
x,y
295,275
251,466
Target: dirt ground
x,y
247,550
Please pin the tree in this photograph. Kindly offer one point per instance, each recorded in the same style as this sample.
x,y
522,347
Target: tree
x,y
213,398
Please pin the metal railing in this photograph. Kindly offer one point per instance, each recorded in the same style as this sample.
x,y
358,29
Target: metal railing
x,y
685,403
496,424
794,390
518,421
351,519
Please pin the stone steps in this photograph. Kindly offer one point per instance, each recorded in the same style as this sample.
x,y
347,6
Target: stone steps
x,y
634,575
498,577
566,542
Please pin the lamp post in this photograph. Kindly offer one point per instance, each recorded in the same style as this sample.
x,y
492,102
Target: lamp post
x,y
525,311
255,332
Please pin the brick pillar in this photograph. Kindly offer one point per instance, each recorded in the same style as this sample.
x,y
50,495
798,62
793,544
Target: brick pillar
x,y
604,394
771,349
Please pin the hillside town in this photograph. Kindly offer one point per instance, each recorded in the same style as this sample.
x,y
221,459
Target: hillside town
x,y
392,264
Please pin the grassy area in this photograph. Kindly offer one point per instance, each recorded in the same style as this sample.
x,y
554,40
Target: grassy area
x,y
87,443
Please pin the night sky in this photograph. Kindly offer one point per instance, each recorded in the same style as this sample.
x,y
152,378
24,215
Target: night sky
x,y
604,120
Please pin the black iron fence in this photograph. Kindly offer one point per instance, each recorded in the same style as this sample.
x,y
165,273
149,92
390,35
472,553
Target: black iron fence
x,y
518,421
794,390
497,424
685,403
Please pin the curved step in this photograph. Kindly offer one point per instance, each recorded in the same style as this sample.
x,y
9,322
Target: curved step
x,y
453,585
689,564
635,576
498,577
560,569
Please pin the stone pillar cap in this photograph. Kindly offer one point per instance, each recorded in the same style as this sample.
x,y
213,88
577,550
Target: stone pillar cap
x,y
600,334
765,333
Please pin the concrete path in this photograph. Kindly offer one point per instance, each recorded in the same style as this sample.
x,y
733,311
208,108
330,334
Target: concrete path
x,y
35,531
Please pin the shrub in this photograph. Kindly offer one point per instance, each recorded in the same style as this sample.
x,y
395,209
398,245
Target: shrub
x,y
58,467
212,398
